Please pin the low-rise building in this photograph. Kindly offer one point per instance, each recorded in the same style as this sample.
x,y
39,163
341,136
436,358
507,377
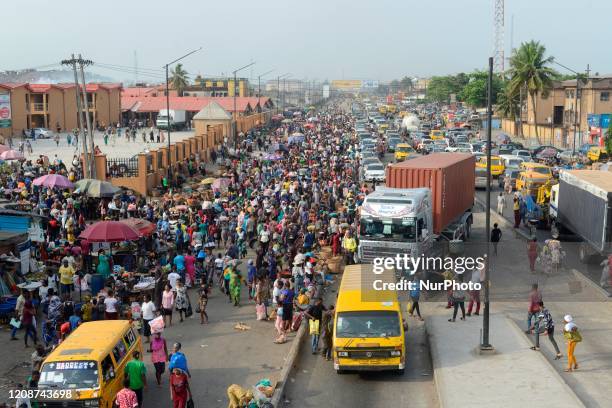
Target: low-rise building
x,y
26,106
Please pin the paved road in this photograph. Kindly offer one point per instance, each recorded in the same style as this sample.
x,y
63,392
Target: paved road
x,y
314,382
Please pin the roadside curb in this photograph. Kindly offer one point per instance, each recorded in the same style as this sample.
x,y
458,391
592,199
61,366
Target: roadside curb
x,y
433,351
503,220
521,333
288,366
588,282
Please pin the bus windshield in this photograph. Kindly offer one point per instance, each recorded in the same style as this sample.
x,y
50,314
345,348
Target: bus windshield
x,y
392,230
368,324
69,374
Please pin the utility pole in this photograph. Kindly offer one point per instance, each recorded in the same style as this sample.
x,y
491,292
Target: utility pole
x,y
92,164
235,133
486,345
87,160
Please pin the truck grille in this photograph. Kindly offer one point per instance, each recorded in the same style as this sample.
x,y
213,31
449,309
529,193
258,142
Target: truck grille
x,y
369,253
363,354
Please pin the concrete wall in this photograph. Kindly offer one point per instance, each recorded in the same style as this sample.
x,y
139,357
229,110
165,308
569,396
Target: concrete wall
x,y
556,136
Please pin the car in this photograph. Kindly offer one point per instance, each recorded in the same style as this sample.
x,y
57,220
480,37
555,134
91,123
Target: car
x,y
423,144
509,174
478,146
568,156
505,149
40,133
463,147
374,172
497,165
403,151
392,143
535,150
436,134
511,160
366,155
526,154
437,149
537,168
369,160
480,179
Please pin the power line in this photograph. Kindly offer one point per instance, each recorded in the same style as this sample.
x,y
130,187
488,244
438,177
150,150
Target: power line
x,y
127,67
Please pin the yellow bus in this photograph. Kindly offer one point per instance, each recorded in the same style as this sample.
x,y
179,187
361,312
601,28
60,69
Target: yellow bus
x,y
368,326
89,365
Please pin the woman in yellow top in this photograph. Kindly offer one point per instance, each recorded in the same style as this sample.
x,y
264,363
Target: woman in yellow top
x,y
66,273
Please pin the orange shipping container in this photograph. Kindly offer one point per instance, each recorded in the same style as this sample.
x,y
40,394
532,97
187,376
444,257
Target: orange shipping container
x,y
449,176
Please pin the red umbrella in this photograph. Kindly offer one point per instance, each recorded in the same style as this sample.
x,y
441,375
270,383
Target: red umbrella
x,y
109,231
144,227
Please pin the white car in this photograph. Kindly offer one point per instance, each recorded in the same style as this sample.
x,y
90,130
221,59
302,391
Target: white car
x,y
374,172
40,133
526,154
512,161
461,147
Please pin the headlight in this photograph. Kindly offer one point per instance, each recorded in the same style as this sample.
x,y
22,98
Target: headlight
x,y
343,354
395,353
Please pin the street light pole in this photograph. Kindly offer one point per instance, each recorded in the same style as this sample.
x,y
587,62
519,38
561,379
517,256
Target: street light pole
x,y
235,133
486,345
278,78
168,107
259,85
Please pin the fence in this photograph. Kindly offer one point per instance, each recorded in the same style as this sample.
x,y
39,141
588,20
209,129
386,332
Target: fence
x,y
122,167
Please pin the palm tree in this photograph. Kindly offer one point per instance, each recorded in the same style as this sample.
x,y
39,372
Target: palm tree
x,y
529,67
179,79
508,104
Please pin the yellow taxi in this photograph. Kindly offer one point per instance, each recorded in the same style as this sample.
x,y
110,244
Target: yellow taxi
x,y
530,182
436,134
596,154
497,165
541,169
402,151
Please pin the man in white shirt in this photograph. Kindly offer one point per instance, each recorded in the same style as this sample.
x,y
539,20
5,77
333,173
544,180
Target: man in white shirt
x,y
173,277
148,314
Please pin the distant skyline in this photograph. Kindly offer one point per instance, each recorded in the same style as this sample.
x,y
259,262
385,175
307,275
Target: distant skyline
x,y
338,39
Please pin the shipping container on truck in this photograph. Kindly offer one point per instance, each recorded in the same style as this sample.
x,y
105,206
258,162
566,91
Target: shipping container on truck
x,y
582,204
449,176
426,202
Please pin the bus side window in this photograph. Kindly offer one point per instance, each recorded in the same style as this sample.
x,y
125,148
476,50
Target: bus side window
x,y
108,369
420,226
119,351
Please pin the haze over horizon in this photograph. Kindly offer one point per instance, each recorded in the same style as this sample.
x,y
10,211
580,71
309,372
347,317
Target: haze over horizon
x,y
380,40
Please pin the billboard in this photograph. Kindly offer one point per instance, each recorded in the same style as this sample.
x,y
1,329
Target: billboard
x,y
5,110
346,84
325,91
369,84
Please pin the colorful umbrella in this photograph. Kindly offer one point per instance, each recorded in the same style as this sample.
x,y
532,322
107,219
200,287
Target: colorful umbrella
x,y
144,227
109,231
96,188
12,155
53,181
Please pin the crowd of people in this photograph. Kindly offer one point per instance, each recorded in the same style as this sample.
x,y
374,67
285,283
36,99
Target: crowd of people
x,y
290,190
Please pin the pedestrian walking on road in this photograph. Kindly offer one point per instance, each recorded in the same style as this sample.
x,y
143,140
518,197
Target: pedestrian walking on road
x,y
474,293
148,314
327,332
458,300
415,294
573,337
516,208
167,304
315,316
159,355
501,203
126,398
178,359
535,297
544,324
496,235
180,392
532,253
136,372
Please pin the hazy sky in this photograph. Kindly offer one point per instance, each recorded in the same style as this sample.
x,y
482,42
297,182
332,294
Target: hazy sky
x,y
330,39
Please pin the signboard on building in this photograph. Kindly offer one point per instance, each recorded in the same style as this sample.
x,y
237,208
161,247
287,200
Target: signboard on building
x,y
345,84
604,123
5,110
593,120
